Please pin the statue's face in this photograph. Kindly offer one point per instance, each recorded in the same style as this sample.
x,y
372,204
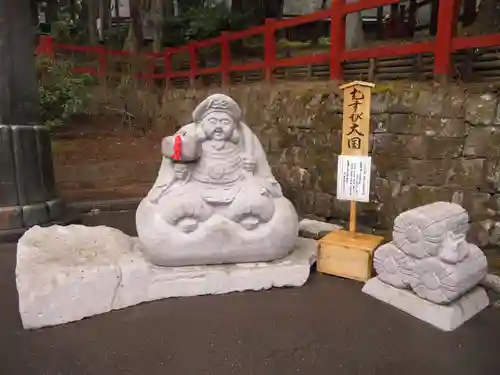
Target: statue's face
x,y
218,126
453,239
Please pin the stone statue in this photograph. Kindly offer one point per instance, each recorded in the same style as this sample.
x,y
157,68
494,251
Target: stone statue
x,y
215,199
430,255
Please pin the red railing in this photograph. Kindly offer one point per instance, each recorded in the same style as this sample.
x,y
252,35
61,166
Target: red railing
x,y
442,46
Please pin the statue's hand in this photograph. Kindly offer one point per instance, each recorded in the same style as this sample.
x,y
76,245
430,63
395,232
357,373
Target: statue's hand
x,y
166,146
181,147
249,164
274,188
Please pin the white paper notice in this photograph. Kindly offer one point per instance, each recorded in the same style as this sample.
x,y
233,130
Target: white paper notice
x,y
353,178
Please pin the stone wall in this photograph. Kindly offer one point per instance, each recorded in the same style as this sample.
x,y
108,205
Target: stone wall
x,y
428,143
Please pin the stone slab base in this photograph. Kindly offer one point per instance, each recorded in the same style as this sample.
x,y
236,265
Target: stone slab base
x,y
65,274
446,318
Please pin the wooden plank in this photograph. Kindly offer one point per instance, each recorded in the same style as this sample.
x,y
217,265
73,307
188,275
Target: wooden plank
x,y
357,83
372,69
388,51
397,69
356,119
479,41
302,60
344,262
361,241
486,65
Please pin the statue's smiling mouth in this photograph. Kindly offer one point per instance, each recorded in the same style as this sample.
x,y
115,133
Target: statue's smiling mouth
x,y
219,134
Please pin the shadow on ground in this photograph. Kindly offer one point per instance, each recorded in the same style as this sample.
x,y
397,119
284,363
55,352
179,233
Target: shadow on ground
x,y
326,327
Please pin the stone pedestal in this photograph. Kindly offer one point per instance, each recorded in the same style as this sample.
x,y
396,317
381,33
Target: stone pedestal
x,y
65,274
27,188
444,317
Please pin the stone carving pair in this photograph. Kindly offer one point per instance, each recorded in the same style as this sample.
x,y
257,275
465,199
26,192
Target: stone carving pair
x,y
430,255
215,199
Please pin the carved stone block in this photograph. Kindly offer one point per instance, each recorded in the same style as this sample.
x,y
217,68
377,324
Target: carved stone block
x,y
421,232
429,259
65,274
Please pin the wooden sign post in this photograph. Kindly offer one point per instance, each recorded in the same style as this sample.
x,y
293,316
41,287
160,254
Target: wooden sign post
x,y
356,130
342,253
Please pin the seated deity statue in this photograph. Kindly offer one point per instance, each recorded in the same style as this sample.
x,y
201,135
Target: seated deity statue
x,y
215,199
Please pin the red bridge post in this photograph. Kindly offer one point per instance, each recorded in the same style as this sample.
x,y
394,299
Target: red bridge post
x,y
337,38
269,48
45,46
447,26
103,61
167,66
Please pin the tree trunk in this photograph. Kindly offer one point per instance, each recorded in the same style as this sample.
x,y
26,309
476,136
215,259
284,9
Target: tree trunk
x,y
5,62
51,11
92,8
434,18
135,34
257,8
354,34
104,17
73,10
18,33
274,8
185,5
169,8
27,188
34,13
117,8
488,18
469,12
157,12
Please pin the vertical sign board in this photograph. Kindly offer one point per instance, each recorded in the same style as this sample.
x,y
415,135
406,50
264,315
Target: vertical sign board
x,y
356,118
354,166
342,253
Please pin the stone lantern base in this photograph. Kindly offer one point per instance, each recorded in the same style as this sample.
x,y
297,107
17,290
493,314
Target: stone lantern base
x,y
27,189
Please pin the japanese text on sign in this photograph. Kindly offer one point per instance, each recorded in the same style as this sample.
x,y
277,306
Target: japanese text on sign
x,y
356,118
353,178
354,134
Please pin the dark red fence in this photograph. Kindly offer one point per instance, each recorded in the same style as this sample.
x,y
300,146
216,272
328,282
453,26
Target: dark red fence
x,y
443,46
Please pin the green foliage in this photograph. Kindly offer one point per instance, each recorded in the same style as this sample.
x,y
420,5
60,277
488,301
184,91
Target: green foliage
x,y
66,29
62,93
204,22
198,20
63,31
